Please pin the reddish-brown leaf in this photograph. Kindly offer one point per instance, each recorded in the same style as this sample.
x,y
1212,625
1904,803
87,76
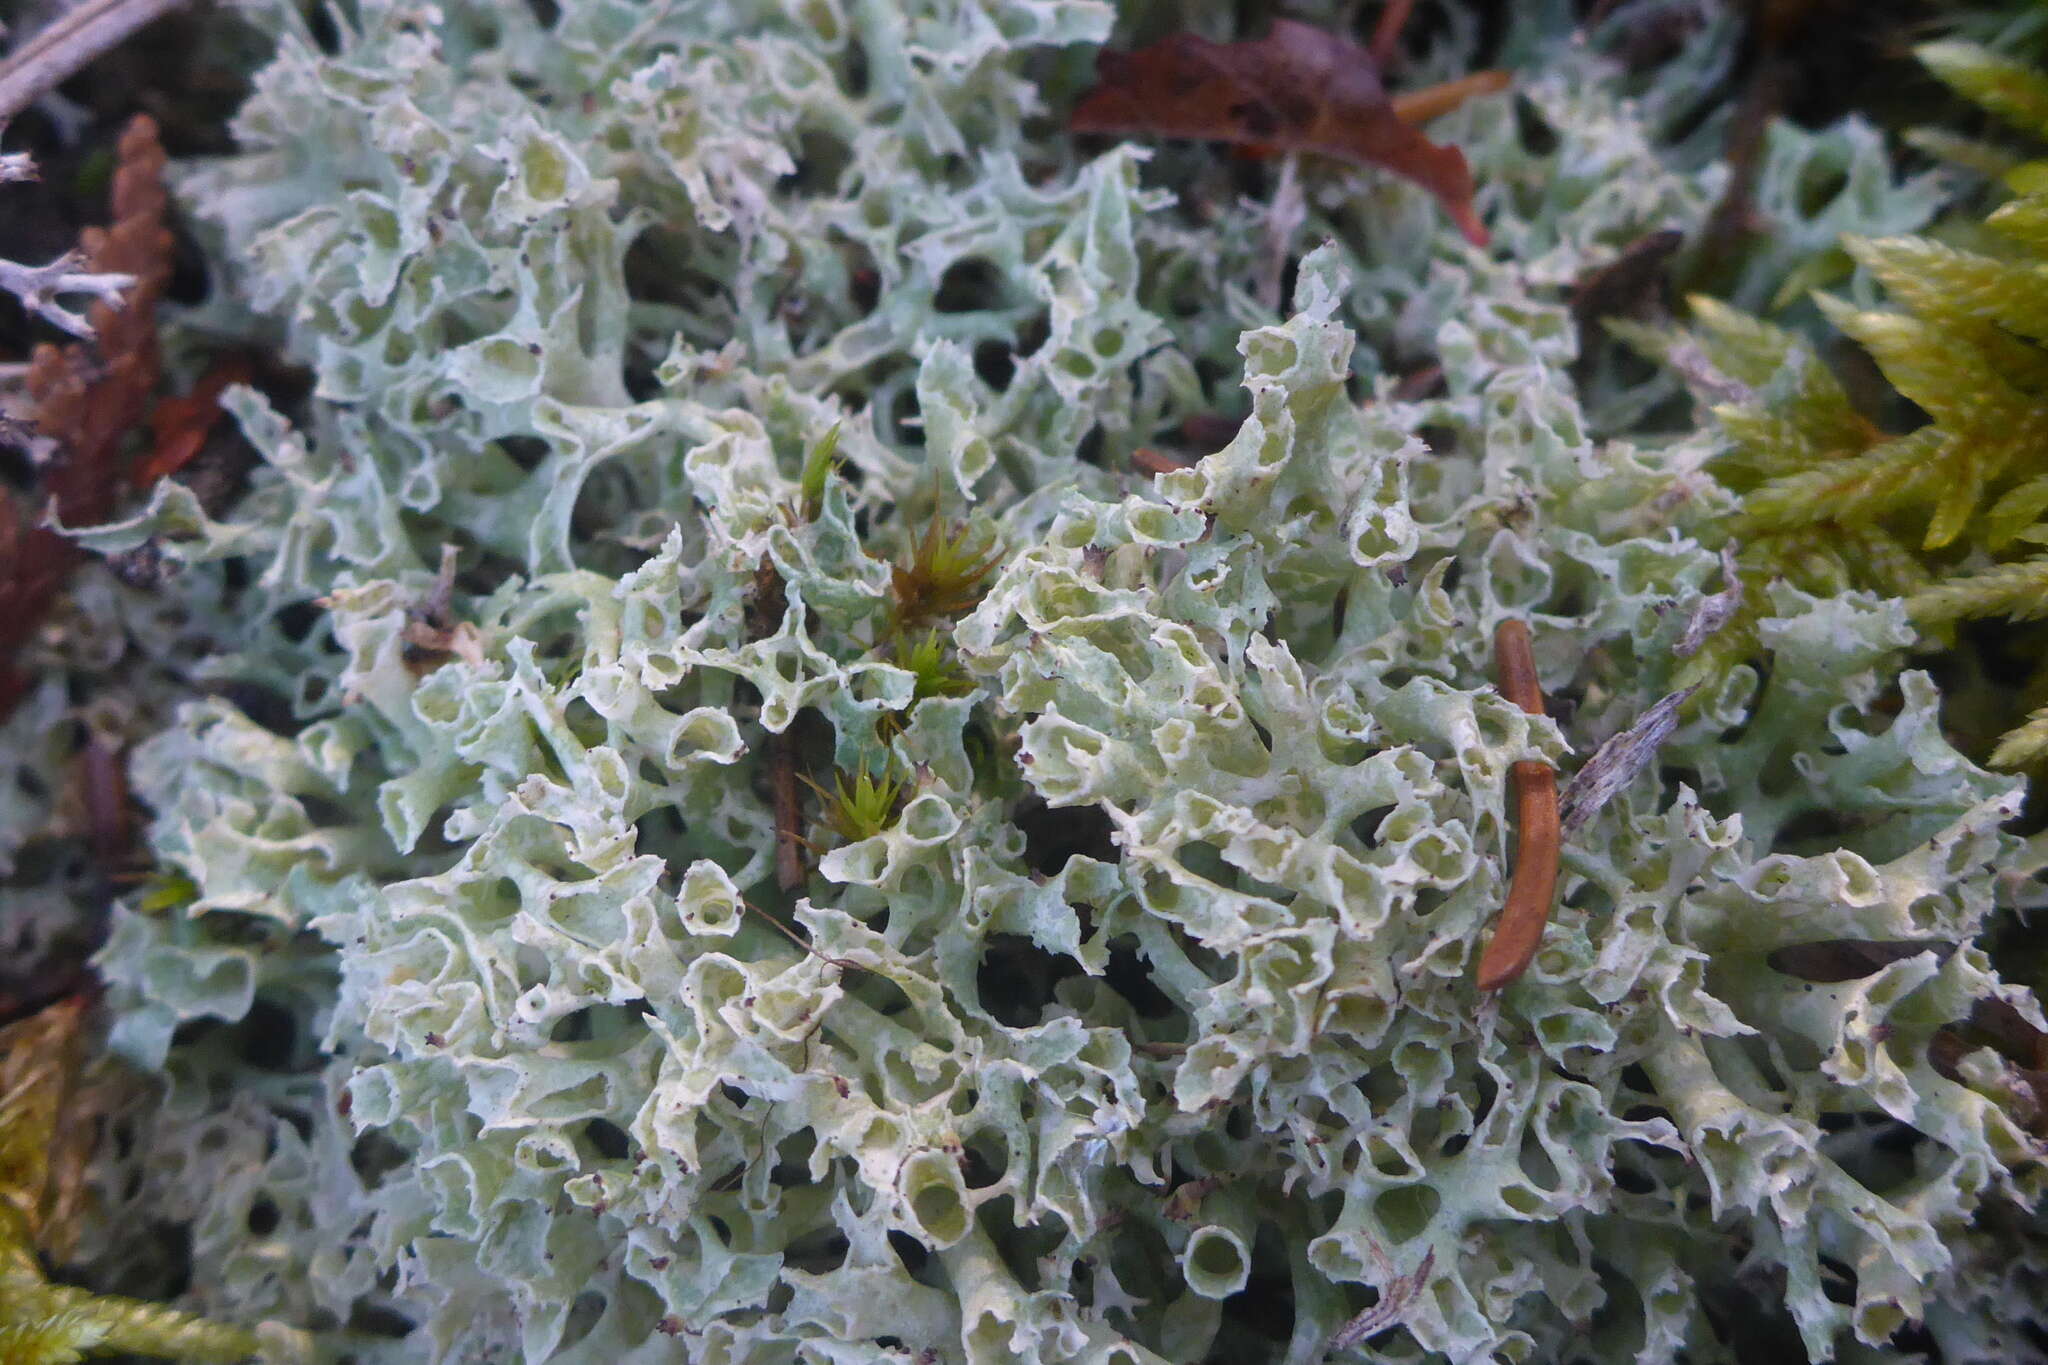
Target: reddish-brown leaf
x,y
1297,89
178,427
1834,960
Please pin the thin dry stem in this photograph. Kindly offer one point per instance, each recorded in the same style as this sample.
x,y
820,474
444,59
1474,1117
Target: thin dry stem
x,y
843,964
1619,761
789,814
1386,34
61,49
1417,107
1285,214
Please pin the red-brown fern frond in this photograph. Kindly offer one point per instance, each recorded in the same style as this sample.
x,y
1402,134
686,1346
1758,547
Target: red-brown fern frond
x,y
86,399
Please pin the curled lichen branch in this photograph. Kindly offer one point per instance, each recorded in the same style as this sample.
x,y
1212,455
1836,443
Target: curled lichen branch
x,y
39,287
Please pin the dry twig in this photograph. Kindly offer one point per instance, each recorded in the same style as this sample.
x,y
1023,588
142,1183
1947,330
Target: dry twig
x,y
1712,613
61,49
1616,763
1390,1310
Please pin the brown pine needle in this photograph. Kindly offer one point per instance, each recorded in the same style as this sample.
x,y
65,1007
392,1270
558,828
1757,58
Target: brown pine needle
x,y
1420,106
1538,837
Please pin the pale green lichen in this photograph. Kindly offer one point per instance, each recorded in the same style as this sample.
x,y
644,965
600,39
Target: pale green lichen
x,y
1194,1075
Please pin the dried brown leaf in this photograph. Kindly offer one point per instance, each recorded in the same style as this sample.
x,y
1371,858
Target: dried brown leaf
x,y
1832,960
1299,88
2000,1023
432,633
1632,285
178,428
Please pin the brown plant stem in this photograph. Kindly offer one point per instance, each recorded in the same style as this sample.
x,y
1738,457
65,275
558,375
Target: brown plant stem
x,y
1538,837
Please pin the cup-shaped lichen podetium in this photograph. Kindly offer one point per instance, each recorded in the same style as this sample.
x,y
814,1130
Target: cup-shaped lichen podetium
x,y
1217,1260
934,1193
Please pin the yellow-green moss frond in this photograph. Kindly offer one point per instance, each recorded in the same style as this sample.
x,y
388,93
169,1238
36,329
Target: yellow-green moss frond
x,y
50,1339
818,465
55,1323
41,1322
2016,511
1987,159
2010,89
937,672
1747,349
943,573
1936,280
2016,591
1817,426
1882,561
2023,221
2024,747
1865,488
42,1156
1783,410
1828,500
1930,364
858,805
